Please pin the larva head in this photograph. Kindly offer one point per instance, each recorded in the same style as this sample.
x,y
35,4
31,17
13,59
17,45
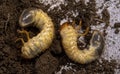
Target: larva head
x,y
26,18
97,41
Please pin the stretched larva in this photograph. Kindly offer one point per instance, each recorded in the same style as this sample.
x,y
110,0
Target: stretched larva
x,y
43,40
69,41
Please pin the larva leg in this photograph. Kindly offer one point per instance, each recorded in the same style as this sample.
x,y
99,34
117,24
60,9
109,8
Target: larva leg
x,y
85,33
25,32
79,27
73,24
21,39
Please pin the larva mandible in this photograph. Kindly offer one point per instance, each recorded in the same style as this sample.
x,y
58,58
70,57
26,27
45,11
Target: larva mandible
x,y
43,40
69,41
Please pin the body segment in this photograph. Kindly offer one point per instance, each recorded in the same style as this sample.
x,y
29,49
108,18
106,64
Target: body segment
x,y
43,40
69,41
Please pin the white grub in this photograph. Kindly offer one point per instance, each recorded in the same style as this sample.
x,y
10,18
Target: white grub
x,y
43,40
70,36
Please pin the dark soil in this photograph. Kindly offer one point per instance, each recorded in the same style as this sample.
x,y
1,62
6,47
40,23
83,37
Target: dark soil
x,y
50,61
117,27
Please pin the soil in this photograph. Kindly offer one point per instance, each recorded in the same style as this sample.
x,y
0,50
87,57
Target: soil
x,y
50,61
117,26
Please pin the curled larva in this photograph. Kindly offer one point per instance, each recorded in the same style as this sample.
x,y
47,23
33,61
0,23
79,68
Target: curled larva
x,y
69,37
43,40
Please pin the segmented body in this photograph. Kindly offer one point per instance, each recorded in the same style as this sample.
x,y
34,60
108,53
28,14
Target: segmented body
x,y
43,40
69,41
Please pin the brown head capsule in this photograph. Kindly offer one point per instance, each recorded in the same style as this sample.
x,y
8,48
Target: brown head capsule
x,y
69,41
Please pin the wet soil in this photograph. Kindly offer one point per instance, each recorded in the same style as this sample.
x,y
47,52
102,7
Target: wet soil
x,y
50,61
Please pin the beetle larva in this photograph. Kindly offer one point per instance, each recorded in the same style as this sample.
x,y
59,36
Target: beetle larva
x,y
43,40
69,41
